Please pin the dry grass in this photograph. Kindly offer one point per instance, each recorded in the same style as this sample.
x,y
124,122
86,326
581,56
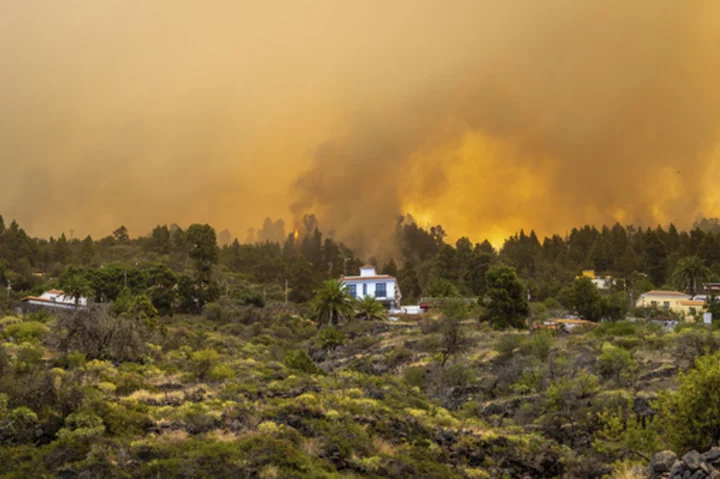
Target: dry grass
x,y
220,435
175,436
270,472
629,471
312,446
384,447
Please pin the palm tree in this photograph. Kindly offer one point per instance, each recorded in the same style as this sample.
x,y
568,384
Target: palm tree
x,y
332,302
689,272
76,286
369,308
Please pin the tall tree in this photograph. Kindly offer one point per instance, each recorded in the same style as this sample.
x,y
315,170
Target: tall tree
x,y
87,251
62,250
390,268
655,257
121,234
689,274
508,306
160,239
203,249
76,286
332,303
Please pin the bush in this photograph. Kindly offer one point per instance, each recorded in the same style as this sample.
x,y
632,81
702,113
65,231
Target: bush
x,y
541,343
415,376
75,360
398,355
330,338
301,361
552,304
616,362
429,325
456,375
695,341
616,328
213,312
8,320
26,331
690,416
204,361
508,344
99,335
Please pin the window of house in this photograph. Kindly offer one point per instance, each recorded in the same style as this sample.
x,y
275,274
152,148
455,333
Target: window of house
x,y
666,304
352,289
653,303
380,290
364,289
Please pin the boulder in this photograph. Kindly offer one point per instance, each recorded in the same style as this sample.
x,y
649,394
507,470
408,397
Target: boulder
x,y
678,469
712,456
693,460
660,464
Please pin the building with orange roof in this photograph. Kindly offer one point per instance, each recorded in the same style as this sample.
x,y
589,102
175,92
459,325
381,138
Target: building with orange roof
x,y
675,301
53,299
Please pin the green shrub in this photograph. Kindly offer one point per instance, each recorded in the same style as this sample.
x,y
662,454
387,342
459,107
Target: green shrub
x,y
330,338
398,355
25,331
616,362
508,344
695,341
552,304
204,361
415,376
9,320
82,425
213,312
690,416
615,328
541,343
361,344
628,343
75,360
221,372
456,375
301,361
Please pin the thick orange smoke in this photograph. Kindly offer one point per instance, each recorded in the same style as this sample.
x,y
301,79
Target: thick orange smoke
x,y
484,116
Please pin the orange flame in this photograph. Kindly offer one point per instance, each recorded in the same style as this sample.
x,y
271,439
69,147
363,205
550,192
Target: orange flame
x,y
296,235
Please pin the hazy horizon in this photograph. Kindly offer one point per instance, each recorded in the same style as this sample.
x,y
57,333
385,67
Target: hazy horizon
x,y
482,116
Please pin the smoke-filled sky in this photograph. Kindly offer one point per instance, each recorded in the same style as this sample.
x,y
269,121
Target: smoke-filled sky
x,y
485,116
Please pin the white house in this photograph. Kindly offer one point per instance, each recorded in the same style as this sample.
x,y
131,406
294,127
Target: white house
x,y
600,282
383,287
54,299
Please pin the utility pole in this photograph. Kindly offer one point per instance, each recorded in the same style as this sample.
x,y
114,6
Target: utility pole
x,y
125,274
286,291
8,288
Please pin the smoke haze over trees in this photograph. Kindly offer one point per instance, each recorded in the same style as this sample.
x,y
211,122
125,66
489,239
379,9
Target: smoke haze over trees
x,y
483,116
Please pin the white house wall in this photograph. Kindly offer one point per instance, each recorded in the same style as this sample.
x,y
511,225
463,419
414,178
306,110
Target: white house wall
x,y
390,288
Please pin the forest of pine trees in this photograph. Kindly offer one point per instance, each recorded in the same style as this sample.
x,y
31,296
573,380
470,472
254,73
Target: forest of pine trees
x,y
424,260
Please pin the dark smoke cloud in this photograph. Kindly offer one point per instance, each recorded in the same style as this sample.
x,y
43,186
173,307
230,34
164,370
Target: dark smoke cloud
x,y
561,113
484,116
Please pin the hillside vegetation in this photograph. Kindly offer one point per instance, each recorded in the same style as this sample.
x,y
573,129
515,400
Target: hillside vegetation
x,y
194,360
261,392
